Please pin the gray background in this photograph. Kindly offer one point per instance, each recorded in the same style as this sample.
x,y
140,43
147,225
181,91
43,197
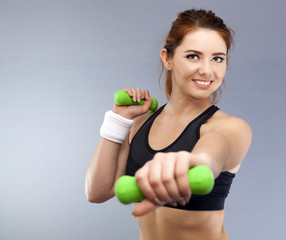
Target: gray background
x,y
60,64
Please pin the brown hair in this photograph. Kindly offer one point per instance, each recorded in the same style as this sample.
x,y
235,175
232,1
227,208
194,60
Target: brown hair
x,y
186,22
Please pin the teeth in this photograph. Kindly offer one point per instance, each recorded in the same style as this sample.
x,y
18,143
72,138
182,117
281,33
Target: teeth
x,y
202,82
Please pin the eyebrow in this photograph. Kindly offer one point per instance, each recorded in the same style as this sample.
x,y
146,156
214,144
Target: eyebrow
x,y
200,53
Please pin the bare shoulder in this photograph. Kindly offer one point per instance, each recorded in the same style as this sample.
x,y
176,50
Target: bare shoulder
x,y
221,121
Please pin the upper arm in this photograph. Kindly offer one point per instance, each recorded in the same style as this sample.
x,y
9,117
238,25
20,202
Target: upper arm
x,y
225,144
237,135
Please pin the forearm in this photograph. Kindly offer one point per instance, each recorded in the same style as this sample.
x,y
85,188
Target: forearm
x,y
102,171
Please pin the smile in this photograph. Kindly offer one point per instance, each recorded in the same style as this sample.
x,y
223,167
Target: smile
x,y
202,83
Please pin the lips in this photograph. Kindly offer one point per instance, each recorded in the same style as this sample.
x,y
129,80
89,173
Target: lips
x,y
202,83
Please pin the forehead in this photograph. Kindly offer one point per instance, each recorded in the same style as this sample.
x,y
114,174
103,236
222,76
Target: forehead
x,y
203,40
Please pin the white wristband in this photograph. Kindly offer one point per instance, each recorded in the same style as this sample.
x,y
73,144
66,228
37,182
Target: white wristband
x,y
115,127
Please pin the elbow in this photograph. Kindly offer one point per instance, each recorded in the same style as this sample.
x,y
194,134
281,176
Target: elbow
x,y
94,199
94,196
91,198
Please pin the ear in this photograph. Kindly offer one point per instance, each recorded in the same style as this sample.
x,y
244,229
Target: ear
x,y
166,59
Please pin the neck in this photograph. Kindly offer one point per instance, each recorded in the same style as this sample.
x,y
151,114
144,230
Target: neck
x,y
186,106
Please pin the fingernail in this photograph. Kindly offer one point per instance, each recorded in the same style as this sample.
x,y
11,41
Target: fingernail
x,y
186,199
173,204
157,201
182,202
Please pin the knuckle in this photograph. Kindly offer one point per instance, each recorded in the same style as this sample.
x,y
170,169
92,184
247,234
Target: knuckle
x,y
154,183
158,156
185,191
166,180
180,173
181,155
170,157
139,176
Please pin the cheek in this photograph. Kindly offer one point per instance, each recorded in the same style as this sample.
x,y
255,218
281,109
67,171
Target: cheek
x,y
220,73
220,76
188,69
183,68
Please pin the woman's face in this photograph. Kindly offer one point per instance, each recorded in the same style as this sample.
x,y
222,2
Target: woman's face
x,y
199,64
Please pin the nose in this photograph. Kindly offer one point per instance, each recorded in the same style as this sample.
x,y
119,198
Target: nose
x,y
205,69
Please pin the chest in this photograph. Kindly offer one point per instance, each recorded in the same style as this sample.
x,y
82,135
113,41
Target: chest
x,y
163,133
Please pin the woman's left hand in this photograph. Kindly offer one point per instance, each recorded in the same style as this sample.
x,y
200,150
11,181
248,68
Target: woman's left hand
x,y
164,179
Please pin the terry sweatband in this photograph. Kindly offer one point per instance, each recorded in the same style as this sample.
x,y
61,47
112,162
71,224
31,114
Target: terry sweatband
x,y
115,127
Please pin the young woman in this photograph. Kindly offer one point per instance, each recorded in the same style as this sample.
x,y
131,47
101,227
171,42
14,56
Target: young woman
x,y
188,131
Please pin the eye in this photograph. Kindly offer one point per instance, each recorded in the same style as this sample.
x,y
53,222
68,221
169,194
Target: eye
x,y
218,59
193,57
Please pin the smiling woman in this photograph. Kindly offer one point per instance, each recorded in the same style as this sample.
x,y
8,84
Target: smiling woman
x,y
159,148
190,21
204,64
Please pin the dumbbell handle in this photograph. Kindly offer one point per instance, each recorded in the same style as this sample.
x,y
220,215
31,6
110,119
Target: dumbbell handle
x,y
200,177
122,98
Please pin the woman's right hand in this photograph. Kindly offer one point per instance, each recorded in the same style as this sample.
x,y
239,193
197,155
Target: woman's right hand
x,y
133,111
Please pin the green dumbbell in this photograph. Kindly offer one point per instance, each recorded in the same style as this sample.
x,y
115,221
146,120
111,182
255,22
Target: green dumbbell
x,y
122,98
200,177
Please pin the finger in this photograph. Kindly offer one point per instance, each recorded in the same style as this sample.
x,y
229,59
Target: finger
x,y
174,204
147,95
143,208
131,92
155,178
168,177
134,94
142,94
142,180
128,90
139,94
181,175
148,101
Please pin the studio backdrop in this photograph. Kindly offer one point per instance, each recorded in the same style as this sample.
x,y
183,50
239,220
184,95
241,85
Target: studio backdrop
x,y
61,61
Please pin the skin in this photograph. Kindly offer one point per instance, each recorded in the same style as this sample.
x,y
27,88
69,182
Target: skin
x,y
200,59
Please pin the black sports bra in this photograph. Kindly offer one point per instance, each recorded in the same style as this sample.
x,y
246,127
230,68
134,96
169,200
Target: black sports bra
x,y
141,152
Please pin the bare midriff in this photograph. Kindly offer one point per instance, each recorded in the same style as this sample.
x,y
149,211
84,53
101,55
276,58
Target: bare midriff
x,y
168,224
